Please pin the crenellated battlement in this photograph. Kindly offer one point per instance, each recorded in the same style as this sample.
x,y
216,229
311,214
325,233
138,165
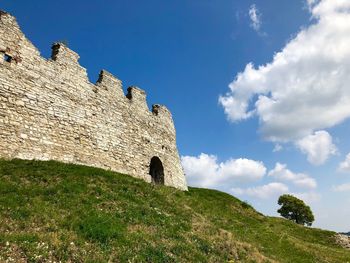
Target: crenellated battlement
x,y
137,97
106,81
6,18
50,110
62,54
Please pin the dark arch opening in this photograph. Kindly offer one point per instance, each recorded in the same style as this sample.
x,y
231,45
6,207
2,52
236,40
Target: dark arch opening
x,y
156,171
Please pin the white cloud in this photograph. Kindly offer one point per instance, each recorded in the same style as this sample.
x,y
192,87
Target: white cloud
x,y
281,173
311,2
200,170
345,165
318,147
342,188
310,197
306,86
274,190
278,147
206,171
262,192
255,18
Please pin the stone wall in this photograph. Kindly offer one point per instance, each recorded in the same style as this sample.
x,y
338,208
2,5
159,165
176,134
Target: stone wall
x,y
50,110
343,240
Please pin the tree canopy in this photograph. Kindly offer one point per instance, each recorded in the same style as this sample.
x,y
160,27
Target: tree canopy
x,y
295,210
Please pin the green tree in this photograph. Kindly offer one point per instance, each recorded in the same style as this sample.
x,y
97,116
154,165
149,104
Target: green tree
x,y
295,209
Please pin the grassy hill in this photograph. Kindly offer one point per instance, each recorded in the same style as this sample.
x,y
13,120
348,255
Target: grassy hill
x,y
51,211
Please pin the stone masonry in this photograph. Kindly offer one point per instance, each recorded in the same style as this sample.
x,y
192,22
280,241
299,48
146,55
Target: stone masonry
x,y
49,110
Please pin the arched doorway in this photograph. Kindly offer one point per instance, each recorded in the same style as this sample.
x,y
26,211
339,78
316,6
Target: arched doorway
x,y
156,171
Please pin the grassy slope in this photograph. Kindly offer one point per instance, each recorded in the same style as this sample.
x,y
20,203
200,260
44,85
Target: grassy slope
x,y
51,211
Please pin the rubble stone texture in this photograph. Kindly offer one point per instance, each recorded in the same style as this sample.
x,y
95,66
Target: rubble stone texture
x,y
343,240
49,110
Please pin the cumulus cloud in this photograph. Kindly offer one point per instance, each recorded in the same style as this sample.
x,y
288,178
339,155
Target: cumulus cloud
x,y
342,188
310,197
281,173
262,192
305,88
255,17
318,147
273,190
345,165
205,171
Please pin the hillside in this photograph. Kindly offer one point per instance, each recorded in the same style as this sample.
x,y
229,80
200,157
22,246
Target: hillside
x,y
53,211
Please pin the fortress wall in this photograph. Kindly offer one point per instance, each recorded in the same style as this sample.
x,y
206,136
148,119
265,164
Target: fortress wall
x,y
50,110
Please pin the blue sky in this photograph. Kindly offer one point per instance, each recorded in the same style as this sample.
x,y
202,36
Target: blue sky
x,y
185,54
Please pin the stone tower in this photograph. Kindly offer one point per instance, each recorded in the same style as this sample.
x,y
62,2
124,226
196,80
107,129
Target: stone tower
x,y
49,110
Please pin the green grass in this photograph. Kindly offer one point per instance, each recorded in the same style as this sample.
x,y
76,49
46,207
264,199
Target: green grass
x,y
51,211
